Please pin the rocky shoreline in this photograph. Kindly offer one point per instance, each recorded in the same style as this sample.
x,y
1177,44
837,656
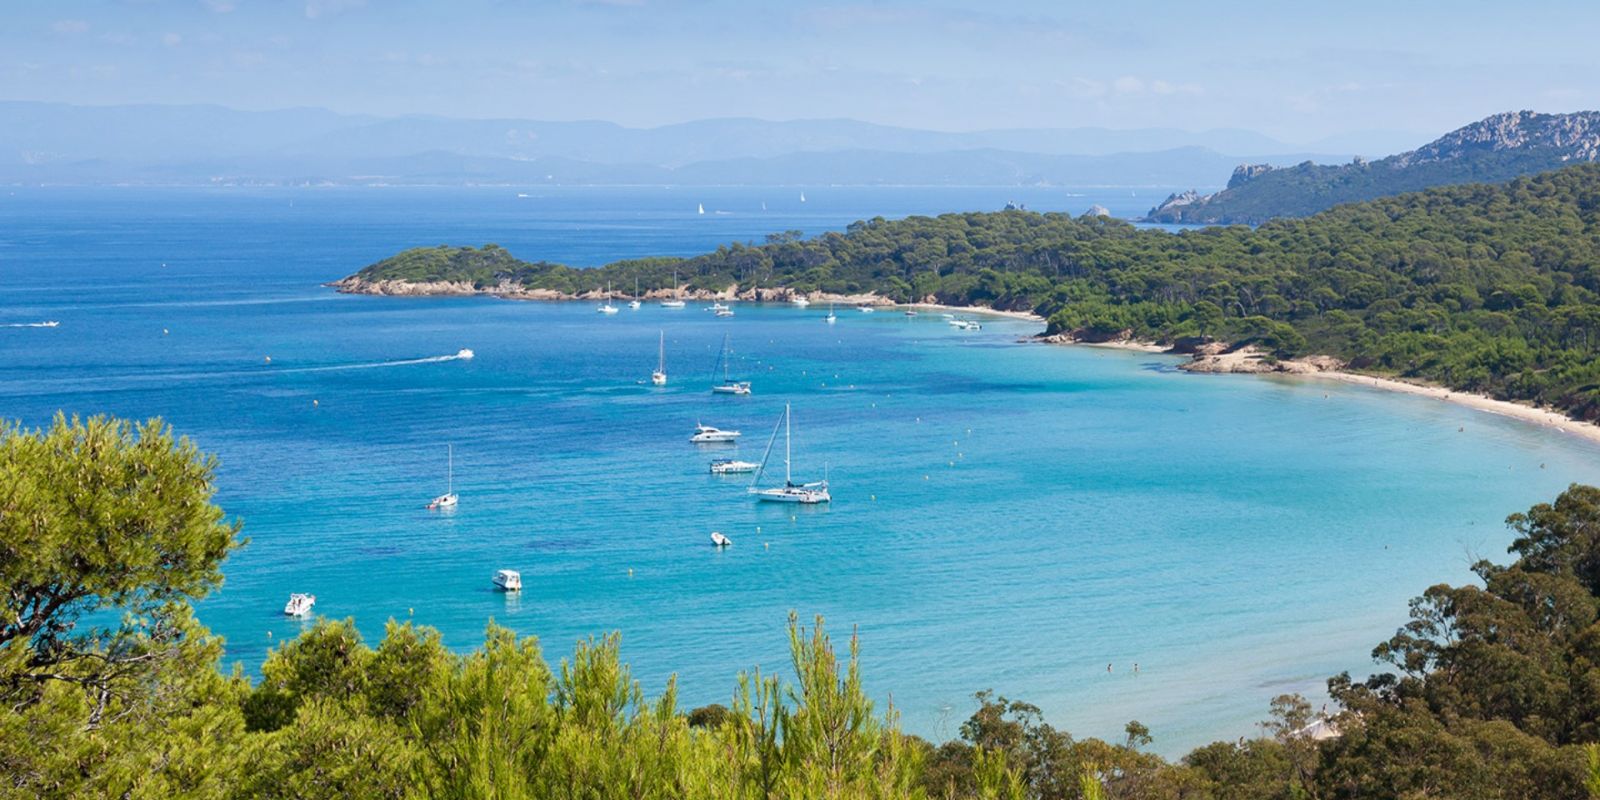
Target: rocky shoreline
x,y
1207,356
513,291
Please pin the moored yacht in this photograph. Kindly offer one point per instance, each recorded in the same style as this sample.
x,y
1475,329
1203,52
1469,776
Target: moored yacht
x,y
299,604
676,301
449,499
732,466
508,580
831,318
718,540
728,385
800,300
705,434
659,377
790,492
606,307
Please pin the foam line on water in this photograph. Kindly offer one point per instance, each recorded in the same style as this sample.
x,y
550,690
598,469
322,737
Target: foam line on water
x,y
47,324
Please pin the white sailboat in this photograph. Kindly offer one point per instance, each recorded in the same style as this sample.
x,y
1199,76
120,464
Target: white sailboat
x,y
728,385
702,209
448,499
831,318
802,197
790,492
634,303
676,301
606,307
659,377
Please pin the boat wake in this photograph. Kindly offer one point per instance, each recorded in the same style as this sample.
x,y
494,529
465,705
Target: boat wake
x,y
46,324
461,355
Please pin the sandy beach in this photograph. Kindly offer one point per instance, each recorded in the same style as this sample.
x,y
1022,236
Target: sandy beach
x,y
1311,368
1026,316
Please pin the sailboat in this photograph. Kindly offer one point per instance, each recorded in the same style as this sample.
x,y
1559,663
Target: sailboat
x,y
728,385
830,319
659,377
606,307
449,498
789,492
676,301
702,209
634,304
802,197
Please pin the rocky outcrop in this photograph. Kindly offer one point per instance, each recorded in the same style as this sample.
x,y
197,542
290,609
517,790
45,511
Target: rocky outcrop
x,y
1574,137
1498,148
1244,173
1249,359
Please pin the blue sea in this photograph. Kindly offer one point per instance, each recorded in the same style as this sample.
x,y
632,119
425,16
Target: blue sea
x,y
1030,519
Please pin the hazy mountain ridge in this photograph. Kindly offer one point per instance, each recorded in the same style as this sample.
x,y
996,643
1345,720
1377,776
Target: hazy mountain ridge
x,y
1492,150
55,143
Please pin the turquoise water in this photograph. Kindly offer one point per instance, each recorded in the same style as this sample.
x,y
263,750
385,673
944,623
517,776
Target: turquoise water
x,y
1006,516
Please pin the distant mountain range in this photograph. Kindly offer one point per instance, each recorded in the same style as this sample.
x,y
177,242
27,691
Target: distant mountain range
x,y
1494,150
58,143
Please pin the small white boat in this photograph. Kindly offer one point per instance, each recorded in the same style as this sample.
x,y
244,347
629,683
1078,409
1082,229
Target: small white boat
x,y
606,307
659,377
866,309
465,354
948,316
705,434
718,540
634,303
724,312
299,604
448,500
731,466
801,301
790,492
673,304
50,323
911,313
831,318
716,305
508,580
802,197
701,209
728,384
965,325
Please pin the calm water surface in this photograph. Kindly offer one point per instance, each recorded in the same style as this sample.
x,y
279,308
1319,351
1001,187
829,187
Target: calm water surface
x,y
1005,516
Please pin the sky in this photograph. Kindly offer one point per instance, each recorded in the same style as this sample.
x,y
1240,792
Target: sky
x,y
1301,74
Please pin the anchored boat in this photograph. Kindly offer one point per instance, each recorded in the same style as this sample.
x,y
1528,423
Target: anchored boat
x,y
790,492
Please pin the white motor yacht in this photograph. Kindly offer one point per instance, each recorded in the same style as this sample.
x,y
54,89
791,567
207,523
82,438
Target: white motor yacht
x,y
718,540
508,580
299,604
732,466
705,434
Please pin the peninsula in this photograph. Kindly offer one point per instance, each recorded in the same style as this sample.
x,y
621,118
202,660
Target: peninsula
x,y
1491,289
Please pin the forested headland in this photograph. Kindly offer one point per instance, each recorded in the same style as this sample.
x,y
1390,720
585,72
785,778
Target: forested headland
x,y
112,688
1483,288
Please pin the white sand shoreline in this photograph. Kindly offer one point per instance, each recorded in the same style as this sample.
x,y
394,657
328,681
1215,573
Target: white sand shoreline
x,y
1542,417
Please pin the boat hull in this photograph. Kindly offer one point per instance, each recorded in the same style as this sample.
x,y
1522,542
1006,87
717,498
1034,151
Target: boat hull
x,y
801,496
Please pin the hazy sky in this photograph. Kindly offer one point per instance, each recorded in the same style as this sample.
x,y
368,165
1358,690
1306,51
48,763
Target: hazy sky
x,y
1318,70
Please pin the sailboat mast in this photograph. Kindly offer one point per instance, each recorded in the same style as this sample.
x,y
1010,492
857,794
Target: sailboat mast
x,y
661,355
787,479
450,469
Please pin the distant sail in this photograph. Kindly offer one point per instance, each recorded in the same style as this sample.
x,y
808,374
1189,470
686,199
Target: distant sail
x,y
702,208
802,197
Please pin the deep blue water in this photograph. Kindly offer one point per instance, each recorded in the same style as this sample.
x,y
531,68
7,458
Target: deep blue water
x,y
1006,516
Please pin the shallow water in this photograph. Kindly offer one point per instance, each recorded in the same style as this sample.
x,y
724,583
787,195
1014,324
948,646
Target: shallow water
x,y
1006,516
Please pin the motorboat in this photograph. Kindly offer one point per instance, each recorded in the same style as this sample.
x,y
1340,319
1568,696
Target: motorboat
x,y
724,312
508,580
299,604
790,492
464,354
866,309
705,434
732,466
800,301
718,540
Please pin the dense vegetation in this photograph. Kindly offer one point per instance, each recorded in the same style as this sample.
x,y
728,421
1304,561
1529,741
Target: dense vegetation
x,y
1485,288
1307,188
1496,694
1499,148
